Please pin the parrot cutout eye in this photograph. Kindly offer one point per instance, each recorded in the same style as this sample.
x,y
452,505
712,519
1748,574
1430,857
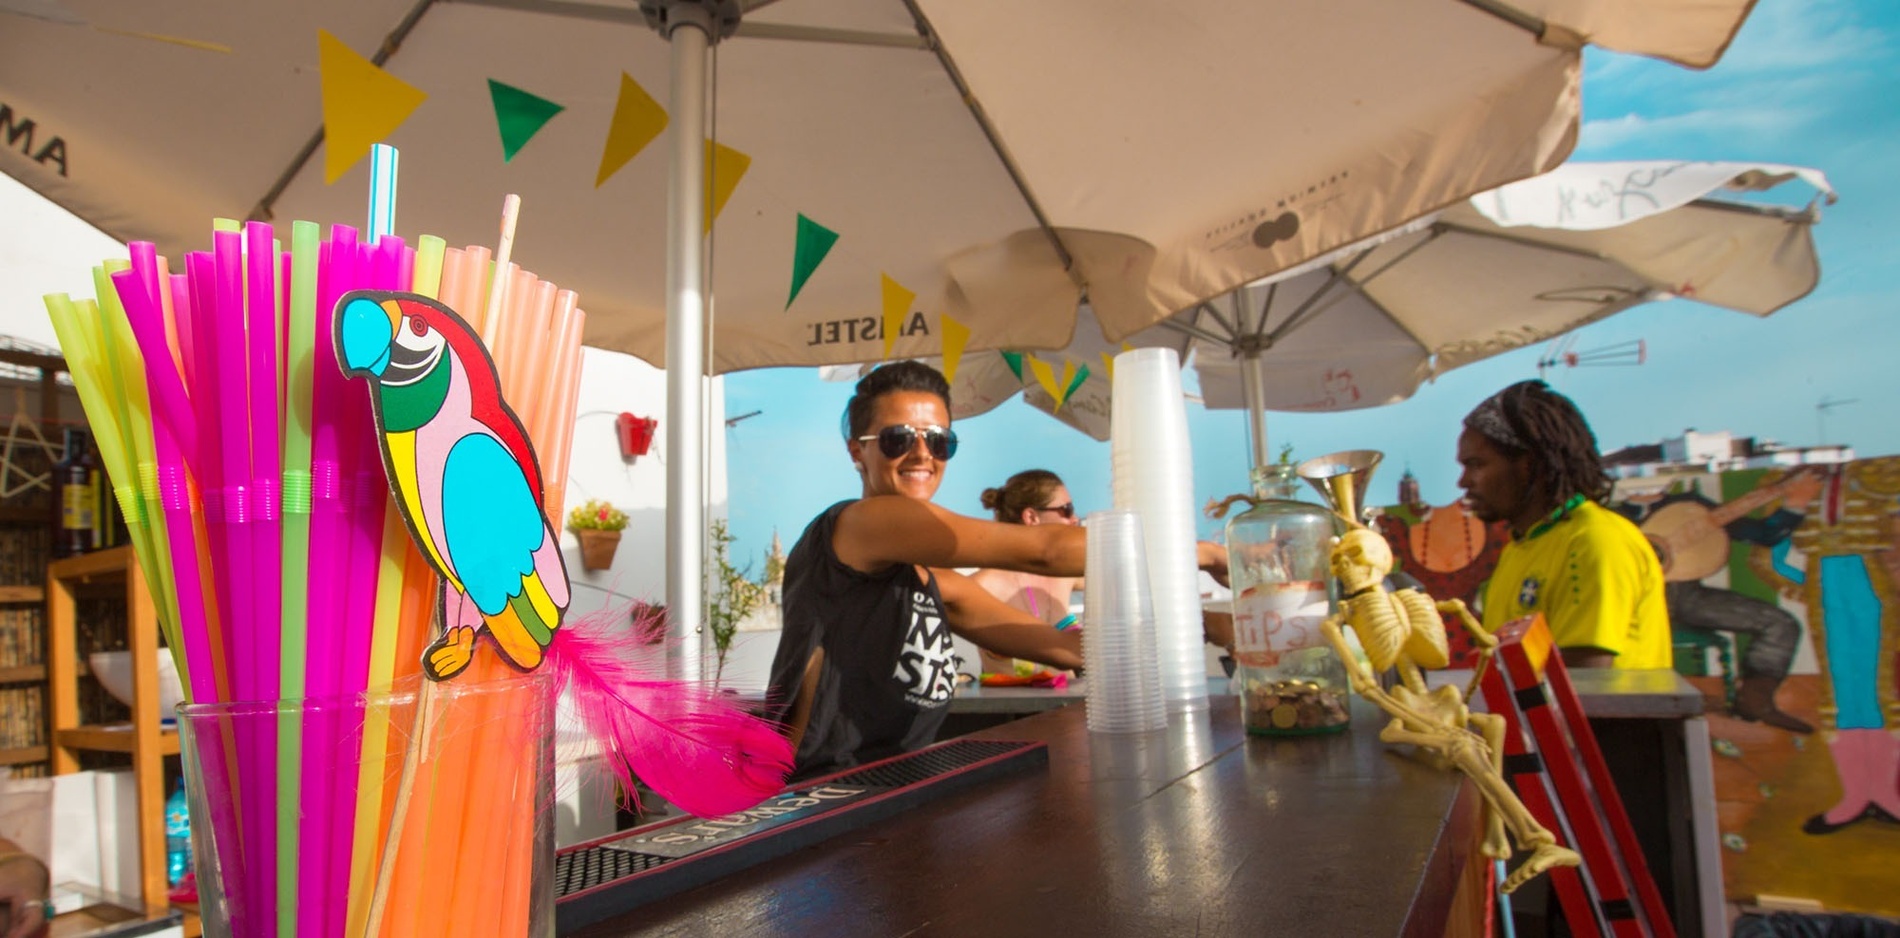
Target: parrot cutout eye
x,y
414,353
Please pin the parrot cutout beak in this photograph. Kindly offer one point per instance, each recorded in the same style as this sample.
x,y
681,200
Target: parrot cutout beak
x,y
365,330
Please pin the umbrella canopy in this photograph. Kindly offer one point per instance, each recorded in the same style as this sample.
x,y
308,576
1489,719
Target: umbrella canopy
x,y
1516,266
984,161
886,177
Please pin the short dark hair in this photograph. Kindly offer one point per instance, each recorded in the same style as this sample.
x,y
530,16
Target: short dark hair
x,y
890,379
1556,438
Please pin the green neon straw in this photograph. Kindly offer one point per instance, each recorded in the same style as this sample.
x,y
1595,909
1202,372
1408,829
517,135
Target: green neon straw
x,y
427,279
91,378
126,368
299,362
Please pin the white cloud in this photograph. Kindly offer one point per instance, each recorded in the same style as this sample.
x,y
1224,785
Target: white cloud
x,y
1606,134
1793,35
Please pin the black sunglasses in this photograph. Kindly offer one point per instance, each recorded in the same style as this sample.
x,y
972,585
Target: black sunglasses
x,y
1066,509
896,440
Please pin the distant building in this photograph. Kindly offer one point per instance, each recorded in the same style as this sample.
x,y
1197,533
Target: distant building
x,y
1409,490
1717,451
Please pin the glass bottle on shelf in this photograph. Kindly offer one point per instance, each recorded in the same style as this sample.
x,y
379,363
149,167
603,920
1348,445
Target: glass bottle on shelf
x,y
78,497
1289,680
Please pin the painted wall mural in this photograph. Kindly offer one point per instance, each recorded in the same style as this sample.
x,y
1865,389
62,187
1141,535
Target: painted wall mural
x,y
1784,598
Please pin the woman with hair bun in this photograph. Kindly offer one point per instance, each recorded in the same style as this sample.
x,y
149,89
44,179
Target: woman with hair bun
x,y
1031,497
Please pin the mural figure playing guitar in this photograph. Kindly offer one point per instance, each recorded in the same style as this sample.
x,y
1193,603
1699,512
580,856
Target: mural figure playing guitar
x,y
1692,535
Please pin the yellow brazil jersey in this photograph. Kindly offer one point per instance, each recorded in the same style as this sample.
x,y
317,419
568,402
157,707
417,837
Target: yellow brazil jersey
x,y
1595,579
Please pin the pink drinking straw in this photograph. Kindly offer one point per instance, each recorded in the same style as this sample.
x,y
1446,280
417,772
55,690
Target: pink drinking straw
x,y
174,491
146,318
326,625
238,566
261,319
368,487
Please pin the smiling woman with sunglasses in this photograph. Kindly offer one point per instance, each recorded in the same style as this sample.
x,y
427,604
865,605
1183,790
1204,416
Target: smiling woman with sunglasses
x,y
865,668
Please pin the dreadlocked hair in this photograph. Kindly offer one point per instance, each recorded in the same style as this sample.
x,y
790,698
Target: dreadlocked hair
x,y
890,379
1562,449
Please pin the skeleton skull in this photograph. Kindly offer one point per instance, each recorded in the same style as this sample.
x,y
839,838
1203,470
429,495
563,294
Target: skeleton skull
x,y
1361,560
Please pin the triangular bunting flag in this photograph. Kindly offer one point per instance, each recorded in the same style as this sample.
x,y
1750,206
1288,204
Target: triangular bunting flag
x,y
897,302
362,104
955,336
519,115
1015,362
1080,377
1108,362
725,166
1046,376
813,243
637,120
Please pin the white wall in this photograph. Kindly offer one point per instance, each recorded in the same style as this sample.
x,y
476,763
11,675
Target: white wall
x,y
612,383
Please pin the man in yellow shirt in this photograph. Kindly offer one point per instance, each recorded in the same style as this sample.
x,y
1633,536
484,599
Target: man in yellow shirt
x,y
1531,461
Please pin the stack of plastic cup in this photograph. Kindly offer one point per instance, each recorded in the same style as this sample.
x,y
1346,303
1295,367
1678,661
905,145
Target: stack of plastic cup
x,y
1118,645
1153,473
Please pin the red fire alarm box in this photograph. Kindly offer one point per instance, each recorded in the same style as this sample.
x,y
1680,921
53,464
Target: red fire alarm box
x,y
636,434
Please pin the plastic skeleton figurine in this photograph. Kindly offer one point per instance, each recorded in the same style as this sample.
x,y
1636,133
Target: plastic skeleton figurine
x,y
1402,629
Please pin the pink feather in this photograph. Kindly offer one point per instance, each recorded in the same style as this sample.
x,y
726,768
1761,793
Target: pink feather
x,y
691,744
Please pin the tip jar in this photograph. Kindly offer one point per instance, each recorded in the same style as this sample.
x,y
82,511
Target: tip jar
x,y
1289,680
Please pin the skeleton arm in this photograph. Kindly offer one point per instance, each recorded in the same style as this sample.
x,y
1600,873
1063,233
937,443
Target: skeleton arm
x,y
1367,686
1486,642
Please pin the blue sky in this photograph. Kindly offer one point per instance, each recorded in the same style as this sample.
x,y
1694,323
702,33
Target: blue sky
x,y
1807,82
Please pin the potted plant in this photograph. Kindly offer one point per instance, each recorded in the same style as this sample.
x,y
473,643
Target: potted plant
x,y
598,525
730,595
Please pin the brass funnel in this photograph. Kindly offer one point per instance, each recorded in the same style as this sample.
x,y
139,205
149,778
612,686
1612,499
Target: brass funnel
x,y
1342,478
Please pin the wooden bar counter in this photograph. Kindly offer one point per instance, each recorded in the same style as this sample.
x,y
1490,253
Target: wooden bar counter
x,y
1199,830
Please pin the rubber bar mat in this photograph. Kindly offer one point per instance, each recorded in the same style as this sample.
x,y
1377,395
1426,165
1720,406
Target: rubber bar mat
x,y
612,876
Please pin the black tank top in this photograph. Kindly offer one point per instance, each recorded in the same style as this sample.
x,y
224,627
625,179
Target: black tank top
x,y
889,668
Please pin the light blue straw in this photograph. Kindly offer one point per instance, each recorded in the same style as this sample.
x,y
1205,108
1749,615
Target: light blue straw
x,y
382,191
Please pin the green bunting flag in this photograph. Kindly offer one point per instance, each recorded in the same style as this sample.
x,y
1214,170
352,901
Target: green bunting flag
x,y
1015,362
1081,378
520,116
814,242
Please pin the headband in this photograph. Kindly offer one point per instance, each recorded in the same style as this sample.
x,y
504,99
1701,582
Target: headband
x,y
1489,420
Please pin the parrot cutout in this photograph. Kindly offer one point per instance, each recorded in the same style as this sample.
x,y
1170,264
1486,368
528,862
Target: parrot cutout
x,y
466,480
469,489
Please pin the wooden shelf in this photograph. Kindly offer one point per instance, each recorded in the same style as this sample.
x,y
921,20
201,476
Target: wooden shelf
x,y
112,737
22,673
19,756
111,562
143,738
36,517
22,594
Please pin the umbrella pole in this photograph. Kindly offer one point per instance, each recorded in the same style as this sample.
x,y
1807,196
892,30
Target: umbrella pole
x,y
1254,395
688,33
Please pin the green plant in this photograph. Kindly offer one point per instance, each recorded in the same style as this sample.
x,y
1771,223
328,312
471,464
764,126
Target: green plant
x,y
596,515
730,595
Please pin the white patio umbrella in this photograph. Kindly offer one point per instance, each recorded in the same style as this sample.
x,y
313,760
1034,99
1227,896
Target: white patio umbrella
x,y
1519,265
982,163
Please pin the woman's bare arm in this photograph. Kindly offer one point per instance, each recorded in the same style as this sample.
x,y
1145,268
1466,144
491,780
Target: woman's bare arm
x,y
1001,628
882,530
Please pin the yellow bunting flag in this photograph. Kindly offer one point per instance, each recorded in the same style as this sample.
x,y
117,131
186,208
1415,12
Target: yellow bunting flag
x,y
362,104
1046,376
725,166
897,302
956,335
1108,362
637,120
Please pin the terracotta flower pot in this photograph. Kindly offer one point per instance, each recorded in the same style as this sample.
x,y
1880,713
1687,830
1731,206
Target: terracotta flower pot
x,y
597,548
